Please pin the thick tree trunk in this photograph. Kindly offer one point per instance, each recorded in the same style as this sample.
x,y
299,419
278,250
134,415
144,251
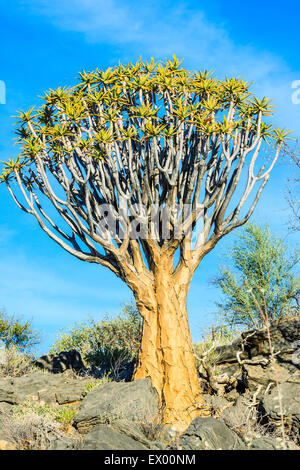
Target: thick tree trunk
x,y
166,354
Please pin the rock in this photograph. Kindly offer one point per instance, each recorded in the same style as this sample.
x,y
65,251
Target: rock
x,y
71,393
157,433
208,434
104,437
136,432
265,375
290,399
285,333
236,416
65,443
268,443
5,408
5,439
6,445
58,363
233,395
41,386
7,394
216,402
254,351
117,400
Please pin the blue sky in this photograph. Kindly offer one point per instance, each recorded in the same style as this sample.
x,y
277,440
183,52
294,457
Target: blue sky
x,y
44,44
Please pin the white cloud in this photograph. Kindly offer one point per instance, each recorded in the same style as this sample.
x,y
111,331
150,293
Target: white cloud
x,y
160,29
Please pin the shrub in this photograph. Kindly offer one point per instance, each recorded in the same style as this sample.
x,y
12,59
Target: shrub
x,y
260,278
14,363
109,343
94,383
30,432
61,414
15,332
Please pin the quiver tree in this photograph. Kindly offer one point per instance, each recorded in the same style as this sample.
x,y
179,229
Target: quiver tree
x,y
141,163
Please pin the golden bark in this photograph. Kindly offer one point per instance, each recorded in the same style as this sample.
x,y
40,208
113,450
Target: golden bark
x,y
166,354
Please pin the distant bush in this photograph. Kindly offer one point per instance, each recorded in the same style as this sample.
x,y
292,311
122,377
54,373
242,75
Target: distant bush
x,y
15,332
108,343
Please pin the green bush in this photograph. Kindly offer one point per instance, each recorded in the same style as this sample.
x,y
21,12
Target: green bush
x,y
15,332
107,343
94,383
61,414
260,278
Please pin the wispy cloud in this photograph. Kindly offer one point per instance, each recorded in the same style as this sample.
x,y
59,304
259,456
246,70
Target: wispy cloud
x,y
162,28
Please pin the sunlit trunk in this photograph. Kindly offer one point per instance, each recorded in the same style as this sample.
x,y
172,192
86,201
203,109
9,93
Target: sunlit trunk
x,y
166,354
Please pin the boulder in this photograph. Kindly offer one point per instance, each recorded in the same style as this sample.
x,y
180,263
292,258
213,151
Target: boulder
x,y
7,394
58,363
104,437
208,434
270,443
41,386
236,416
285,335
5,408
6,442
217,403
254,350
261,375
113,401
65,443
290,399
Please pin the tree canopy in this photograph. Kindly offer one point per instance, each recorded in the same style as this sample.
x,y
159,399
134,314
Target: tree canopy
x,y
146,135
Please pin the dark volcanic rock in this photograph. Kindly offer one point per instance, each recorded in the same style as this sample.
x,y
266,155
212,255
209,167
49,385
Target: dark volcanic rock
x,y
58,363
254,350
41,386
290,401
105,437
285,334
268,443
209,434
7,394
117,400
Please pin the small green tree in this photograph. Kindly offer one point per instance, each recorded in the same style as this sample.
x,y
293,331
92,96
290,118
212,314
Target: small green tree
x,y
15,332
261,277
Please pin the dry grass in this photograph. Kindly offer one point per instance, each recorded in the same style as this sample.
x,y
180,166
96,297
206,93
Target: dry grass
x,y
32,426
30,431
13,363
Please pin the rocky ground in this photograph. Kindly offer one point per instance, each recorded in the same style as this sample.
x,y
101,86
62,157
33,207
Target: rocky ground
x,y
248,411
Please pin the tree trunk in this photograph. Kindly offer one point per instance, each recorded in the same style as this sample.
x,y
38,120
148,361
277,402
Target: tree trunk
x,y
166,354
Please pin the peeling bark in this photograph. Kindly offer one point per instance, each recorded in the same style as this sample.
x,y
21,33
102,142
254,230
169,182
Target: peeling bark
x,y
166,354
